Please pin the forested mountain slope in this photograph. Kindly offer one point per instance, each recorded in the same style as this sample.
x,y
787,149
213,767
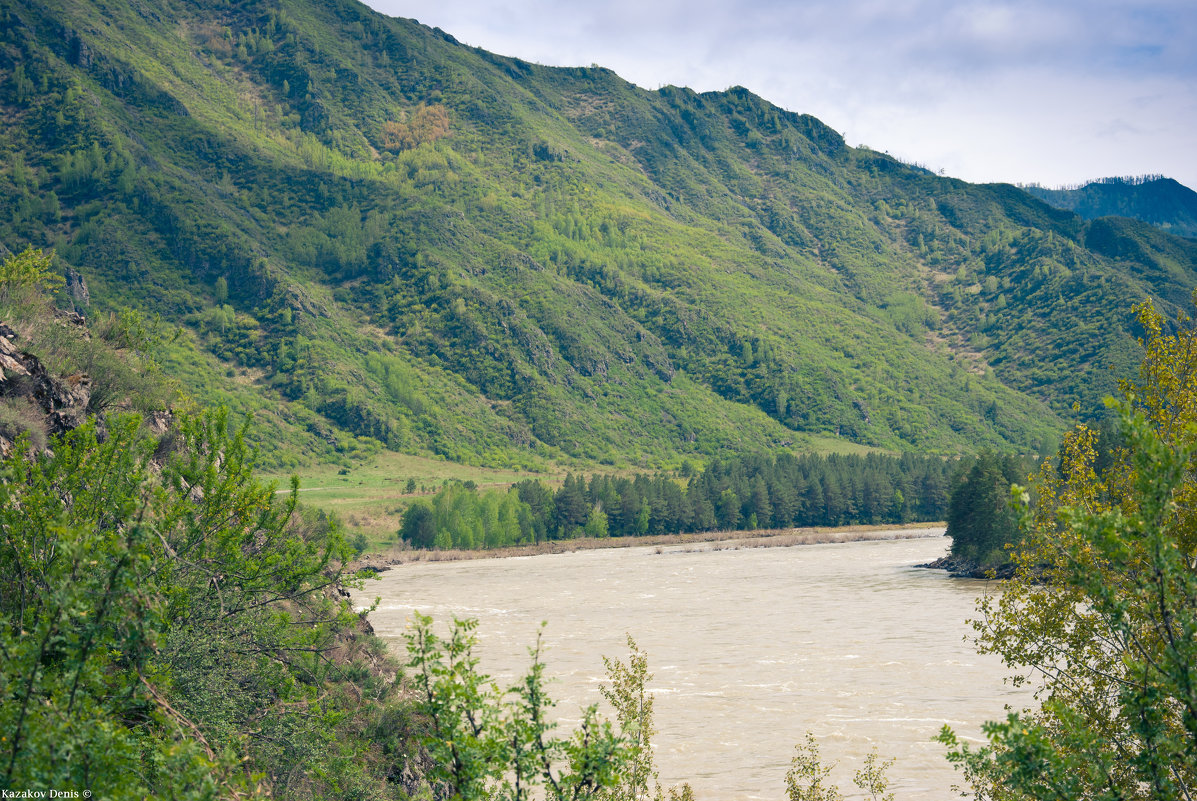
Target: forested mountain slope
x,y
370,232
1161,201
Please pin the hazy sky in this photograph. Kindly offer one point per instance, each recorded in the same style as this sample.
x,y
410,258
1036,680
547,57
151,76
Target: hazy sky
x,y
1054,91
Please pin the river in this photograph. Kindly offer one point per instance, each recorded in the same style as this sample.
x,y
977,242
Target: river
x,y
750,648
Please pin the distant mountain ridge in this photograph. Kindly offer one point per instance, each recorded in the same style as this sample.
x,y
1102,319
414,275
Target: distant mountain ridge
x,y
1163,202
374,236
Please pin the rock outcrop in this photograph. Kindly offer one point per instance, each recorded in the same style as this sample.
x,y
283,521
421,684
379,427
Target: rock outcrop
x,y
35,400
964,568
76,289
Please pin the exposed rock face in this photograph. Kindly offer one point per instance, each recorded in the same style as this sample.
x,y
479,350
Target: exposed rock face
x,y
160,422
12,361
63,399
26,385
76,287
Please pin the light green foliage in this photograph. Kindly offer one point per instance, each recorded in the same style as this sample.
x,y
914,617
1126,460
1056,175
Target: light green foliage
x,y
1103,607
465,741
596,524
543,263
463,518
1139,739
82,622
588,762
871,778
167,629
628,695
806,779
49,606
807,774
27,276
486,743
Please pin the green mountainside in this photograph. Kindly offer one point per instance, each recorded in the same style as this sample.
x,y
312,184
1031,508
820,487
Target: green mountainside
x,y
372,235
1163,202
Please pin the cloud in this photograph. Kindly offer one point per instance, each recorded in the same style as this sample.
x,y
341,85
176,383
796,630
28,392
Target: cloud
x,y
955,84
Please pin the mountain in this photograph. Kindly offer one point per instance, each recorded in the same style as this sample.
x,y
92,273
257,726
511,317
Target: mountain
x,y
371,235
1163,202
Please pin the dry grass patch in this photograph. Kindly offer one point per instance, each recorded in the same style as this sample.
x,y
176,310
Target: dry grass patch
x,y
701,541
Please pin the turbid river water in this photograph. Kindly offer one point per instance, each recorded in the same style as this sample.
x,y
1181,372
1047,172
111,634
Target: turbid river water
x,y
750,649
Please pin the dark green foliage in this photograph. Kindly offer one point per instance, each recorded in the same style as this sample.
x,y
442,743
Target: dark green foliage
x,y
392,240
732,493
982,522
419,526
1152,198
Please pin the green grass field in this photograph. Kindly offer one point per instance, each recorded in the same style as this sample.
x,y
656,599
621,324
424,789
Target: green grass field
x,y
370,496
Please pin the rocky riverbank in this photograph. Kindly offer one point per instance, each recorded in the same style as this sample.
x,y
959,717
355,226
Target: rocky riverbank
x,y
964,568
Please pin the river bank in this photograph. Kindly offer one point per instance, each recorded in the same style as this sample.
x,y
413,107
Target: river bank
x,y
966,568
704,540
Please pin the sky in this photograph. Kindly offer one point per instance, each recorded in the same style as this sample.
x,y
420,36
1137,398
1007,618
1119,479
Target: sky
x,y
1054,92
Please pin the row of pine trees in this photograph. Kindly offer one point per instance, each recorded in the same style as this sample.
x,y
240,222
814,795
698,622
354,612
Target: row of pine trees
x,y
736,493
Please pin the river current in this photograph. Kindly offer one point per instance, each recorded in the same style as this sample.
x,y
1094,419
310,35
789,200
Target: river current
x,y
749,648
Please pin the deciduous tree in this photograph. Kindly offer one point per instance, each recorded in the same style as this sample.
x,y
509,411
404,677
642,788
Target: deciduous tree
x,y
1102,612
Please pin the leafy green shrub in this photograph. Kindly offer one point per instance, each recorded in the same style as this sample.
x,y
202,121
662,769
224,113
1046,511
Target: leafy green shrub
x,y
27,278
485,746
806,777
1113,618
84,706
359,543
171,631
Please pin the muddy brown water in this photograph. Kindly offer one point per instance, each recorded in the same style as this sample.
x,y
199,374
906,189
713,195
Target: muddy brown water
x,y
749,649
